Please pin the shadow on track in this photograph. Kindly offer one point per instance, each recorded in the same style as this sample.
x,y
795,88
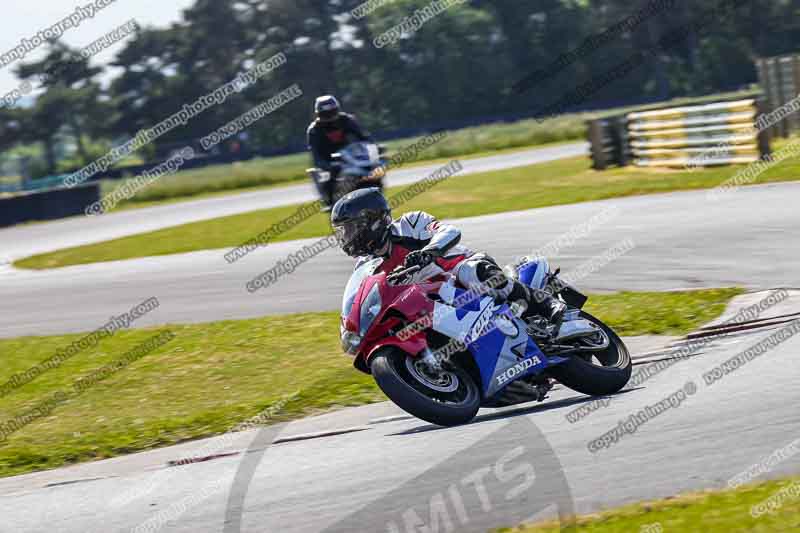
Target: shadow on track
x,y
515,412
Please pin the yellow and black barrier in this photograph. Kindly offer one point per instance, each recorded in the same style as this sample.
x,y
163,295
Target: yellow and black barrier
x,y
720,133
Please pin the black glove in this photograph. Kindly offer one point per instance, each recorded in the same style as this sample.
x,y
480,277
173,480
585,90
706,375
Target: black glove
x,y
418,258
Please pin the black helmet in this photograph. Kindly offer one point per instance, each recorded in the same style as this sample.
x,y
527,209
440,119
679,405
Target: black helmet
x,y
361,222
327,108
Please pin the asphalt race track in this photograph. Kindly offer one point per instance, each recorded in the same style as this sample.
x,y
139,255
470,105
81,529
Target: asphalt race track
x,y
680,240
22,241
370,480
357,470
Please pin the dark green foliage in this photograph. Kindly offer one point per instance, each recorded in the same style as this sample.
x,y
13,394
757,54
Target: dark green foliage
x,y
458,67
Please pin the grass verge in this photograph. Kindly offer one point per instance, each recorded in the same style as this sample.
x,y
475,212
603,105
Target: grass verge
x,y
210,377
463,142
547,184
246,177
726,511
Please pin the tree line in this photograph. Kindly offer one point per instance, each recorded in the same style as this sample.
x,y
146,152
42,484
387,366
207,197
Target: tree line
x,y
476,58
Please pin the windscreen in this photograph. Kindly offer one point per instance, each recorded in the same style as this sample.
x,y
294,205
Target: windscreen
x,y
364,271
364,153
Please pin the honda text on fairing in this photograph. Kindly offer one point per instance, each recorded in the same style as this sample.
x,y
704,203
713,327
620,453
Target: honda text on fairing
x,y
441,352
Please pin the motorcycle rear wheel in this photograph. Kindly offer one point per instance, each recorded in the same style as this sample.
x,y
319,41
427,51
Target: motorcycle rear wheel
x,y
447,399
608,377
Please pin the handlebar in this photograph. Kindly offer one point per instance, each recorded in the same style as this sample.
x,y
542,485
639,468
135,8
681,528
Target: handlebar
x,y
401,273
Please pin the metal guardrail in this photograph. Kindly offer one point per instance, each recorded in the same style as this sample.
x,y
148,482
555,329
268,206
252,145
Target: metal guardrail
x,y
718,133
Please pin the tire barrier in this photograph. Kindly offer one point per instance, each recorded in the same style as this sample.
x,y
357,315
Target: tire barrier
x,y
779,78
609,142
50,204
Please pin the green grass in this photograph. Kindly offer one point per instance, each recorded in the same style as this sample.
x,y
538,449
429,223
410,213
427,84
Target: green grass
x,y
203,382
212,376
242,177
725,511
660,313
481,140
257,173
554,183
260,173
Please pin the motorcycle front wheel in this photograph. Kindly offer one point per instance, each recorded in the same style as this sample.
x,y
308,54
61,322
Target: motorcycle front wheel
x,y
446,398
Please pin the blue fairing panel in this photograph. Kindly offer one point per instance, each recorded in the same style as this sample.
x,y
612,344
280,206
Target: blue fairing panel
x,y
533,349
526,272
501,356
486,350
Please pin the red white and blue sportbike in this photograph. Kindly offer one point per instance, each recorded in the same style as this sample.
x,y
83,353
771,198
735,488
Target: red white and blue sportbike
x,y
441,352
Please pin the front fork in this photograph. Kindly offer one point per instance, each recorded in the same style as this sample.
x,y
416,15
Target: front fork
x,y
432,360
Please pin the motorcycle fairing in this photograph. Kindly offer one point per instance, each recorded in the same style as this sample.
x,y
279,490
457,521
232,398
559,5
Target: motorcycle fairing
x,y
534,273
359,156
501,358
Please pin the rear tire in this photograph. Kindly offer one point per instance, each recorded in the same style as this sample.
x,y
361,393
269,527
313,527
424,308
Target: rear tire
x,y
583,376
390,369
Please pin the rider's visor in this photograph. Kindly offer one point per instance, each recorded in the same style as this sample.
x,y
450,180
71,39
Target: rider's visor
x,y
348,232
328,115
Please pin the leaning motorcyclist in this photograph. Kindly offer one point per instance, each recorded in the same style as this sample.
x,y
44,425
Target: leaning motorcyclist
x,y
331,131
364,229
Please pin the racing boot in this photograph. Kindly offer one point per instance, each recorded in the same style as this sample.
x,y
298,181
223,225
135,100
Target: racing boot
x,y
529,302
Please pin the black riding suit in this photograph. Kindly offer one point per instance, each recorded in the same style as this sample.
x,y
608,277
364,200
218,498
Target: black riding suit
x,y
327,138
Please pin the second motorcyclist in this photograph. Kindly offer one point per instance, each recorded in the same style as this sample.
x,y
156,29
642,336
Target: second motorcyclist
x,y
331,131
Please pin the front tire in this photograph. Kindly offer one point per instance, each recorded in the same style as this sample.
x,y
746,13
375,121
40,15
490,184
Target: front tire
x,y
448,399
609,377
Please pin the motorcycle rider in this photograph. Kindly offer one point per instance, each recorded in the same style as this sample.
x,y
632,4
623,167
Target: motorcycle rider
x,y
364,229
331,131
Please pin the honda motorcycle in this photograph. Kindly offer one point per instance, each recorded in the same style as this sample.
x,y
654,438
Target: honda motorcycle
x,y
441,352
359,165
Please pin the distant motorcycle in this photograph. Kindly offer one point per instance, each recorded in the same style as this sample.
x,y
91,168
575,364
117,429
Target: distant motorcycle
x,y
441,352
360,165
